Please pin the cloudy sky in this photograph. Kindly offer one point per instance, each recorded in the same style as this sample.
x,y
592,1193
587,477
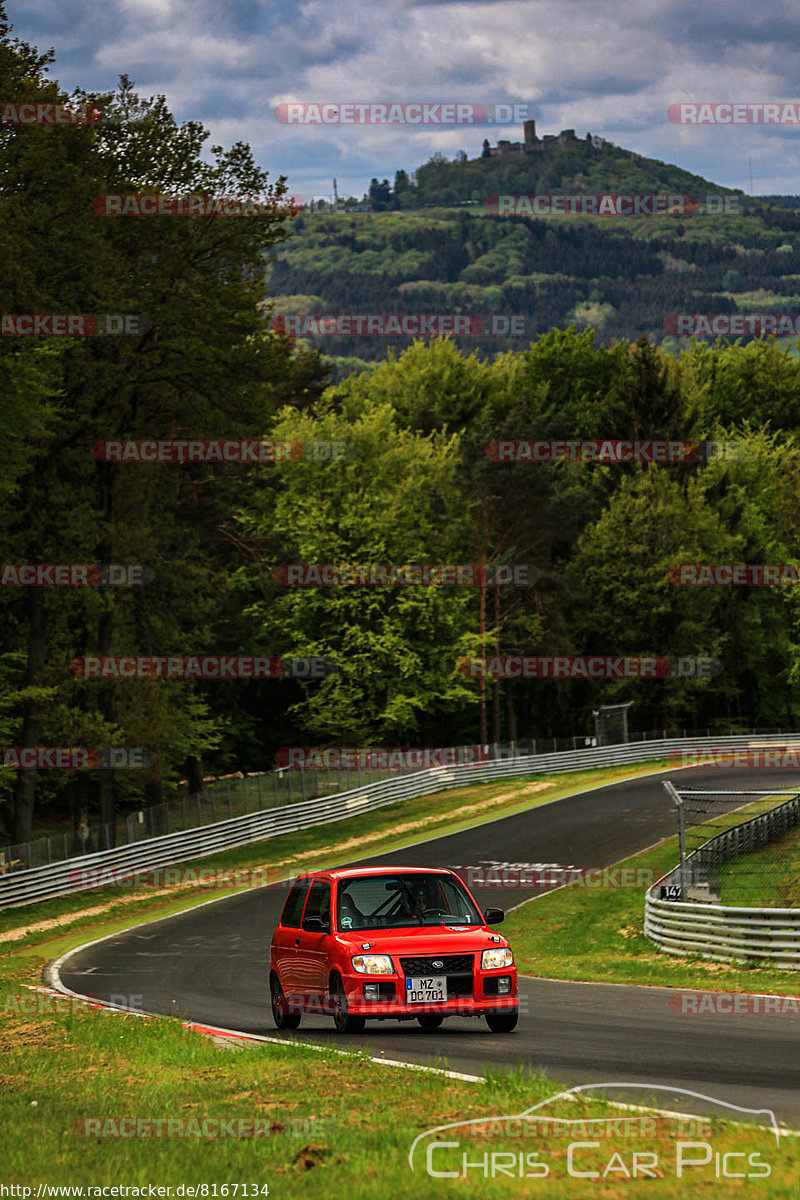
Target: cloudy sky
x,y
612,71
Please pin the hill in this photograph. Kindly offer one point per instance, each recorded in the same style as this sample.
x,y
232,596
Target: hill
x,y
511,277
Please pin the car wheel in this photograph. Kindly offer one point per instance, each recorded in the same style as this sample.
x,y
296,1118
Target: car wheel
x,y
503,1022
342,1020
280,1009
431,1021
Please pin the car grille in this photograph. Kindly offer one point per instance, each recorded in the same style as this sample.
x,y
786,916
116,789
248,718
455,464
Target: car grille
x,y
456,967
452,964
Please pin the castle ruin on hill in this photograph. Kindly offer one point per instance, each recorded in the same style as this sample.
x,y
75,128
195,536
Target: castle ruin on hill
x,y
535,145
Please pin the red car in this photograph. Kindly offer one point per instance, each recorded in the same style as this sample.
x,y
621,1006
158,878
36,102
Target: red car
x,y
397,943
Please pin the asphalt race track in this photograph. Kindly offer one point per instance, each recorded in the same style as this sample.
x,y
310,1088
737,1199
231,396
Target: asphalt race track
x,y
210,964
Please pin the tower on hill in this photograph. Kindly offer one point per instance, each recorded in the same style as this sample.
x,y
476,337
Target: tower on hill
x,y
531,144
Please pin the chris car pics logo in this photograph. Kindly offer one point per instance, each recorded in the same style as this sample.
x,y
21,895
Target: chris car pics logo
x,y
599,1149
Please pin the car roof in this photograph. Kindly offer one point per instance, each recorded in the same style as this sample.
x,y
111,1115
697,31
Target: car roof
x,y
352,872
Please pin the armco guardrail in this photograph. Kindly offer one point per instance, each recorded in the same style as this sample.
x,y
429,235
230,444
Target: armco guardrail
x,y
240,794
80,874
724,932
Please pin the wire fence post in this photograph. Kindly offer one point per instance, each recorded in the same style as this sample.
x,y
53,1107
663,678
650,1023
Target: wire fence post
x,y
674,796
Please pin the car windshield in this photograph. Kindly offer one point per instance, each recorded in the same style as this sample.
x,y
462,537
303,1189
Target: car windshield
x,y
394,901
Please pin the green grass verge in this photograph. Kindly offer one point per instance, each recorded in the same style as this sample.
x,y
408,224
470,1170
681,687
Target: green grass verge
x,y
767,878
329,1124
597,933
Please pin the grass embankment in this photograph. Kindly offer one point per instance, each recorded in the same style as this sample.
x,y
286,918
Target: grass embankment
x,y
767,878
585,933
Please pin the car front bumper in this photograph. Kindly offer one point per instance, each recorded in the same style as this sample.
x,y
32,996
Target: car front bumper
x,y
480,1002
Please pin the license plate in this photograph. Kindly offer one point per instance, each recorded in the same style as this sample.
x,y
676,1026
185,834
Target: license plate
x,y
429,990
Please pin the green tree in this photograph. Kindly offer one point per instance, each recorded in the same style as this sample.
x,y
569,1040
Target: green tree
x,y
205,367
390,500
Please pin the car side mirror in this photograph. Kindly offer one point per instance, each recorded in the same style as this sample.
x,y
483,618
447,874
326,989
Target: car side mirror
x,y
494,916
316,925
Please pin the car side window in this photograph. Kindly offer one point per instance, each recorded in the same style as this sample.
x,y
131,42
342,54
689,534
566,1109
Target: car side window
x,y
319,901
293,908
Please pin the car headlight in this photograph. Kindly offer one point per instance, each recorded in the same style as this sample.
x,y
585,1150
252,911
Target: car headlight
x,y
492,959
372,964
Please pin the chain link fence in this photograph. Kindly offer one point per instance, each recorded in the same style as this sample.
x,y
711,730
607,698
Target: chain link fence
x,y
739,848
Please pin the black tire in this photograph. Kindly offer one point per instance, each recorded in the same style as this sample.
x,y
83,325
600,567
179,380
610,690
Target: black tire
x,y
342,1020
503,1022
281,1016
429,1021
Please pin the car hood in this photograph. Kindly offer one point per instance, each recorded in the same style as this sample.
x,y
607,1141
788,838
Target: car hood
x,y
429,939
